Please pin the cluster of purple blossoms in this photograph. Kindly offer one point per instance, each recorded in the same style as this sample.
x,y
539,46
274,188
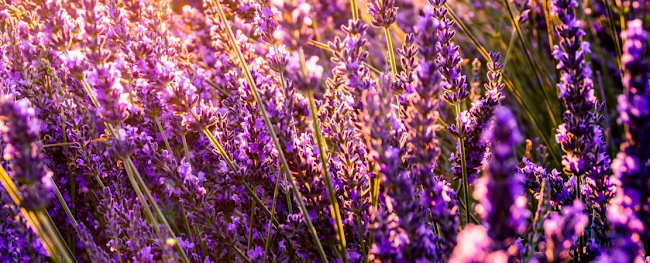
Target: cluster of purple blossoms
x,y
629,214
478,119
449,58
581,135
285,131
502,203
535,175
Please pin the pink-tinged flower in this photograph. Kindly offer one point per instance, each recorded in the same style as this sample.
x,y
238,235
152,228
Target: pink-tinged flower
x,y
278,58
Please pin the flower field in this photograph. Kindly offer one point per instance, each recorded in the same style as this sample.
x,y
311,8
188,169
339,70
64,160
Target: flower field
x,y
322,131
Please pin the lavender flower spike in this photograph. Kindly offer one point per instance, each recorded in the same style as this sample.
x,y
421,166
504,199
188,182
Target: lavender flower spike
x,y
631,170
421,114
581,136
399,231
20,131
476,148
383,13
449,58
502,203
561,231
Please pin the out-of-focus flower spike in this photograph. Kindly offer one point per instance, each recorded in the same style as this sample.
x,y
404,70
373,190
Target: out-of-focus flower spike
x,y
629,211
500,193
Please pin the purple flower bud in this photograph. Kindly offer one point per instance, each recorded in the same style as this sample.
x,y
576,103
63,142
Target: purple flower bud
x,y
383,13
278,58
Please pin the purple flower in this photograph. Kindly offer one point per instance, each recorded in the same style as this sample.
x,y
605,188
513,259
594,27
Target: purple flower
x,y
266,25
475,246
534,176
20,132
500,193
581,137
421,114
278,58
449,58
383,13
562,230
631,170
399,230
479,115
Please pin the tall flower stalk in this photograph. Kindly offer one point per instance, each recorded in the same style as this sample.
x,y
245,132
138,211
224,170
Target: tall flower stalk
x,y
581,136
502,202
384,14
455,87
630,215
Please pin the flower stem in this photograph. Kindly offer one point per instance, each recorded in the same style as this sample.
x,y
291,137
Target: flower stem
x,y
63,204
355,10
464,169
287,193
334,204
162,133
54,246
275,199
391,52
250,226
538,75
579,196
190,231
269,126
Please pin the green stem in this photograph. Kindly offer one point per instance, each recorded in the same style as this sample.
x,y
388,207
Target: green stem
x,y
269,126
287,192
464,169
34,218
186,149
511,45
250,225
63,204
549,24
72,191
162,133
268,235
364,253
334,204
391,52
375,183
355,10
579,196
53,231
462,205
612,27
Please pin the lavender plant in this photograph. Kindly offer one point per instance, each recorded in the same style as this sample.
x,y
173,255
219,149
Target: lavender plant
x,y
314,131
